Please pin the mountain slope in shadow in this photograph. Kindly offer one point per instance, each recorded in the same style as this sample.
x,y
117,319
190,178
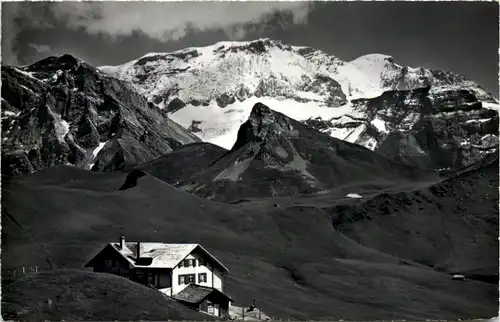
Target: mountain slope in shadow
x,y
275,155
61,110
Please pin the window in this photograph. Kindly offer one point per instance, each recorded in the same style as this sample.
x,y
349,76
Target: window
x,y
151,279
187,279
188,263
204,307
164,280
202,278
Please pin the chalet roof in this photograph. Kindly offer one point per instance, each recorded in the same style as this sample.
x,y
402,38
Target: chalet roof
x,y
160,255
194,293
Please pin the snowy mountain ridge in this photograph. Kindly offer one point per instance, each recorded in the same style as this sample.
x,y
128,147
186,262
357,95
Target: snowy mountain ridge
x,y
211,90
300,82
203,73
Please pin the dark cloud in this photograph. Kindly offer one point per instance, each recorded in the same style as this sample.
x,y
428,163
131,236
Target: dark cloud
x,y
72,25
458,36
41,48
163,21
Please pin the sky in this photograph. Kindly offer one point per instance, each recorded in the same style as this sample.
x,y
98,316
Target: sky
x,y
459,36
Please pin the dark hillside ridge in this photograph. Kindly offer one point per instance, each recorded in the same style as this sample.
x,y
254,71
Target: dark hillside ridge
x,y
451,226
62,111
275,155
182,163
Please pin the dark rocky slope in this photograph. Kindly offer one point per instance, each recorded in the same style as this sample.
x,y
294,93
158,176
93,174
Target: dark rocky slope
x,y
63,111
275,155
288,258
432,128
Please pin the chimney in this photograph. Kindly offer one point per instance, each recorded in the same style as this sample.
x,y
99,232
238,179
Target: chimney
x,y
138,250
122,242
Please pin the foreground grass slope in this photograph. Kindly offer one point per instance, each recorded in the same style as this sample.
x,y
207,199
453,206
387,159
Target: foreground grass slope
x,y
71,294
289,258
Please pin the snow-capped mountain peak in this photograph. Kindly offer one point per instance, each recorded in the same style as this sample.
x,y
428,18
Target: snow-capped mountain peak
x,y
373,64
210,90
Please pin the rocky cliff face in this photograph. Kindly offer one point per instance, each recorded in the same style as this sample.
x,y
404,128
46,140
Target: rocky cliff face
x,y
63,111
432,127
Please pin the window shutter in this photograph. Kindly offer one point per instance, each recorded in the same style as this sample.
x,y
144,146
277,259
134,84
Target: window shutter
x,y
180,279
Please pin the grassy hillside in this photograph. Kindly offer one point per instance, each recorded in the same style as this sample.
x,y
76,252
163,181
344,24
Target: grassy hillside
x,y
452,225
183,162
289,258
81,295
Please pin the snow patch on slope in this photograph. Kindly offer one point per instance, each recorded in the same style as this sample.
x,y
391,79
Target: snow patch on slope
x,y
10,113
234,171
29,74
364,75
94,154
491,106
61,127
379,124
